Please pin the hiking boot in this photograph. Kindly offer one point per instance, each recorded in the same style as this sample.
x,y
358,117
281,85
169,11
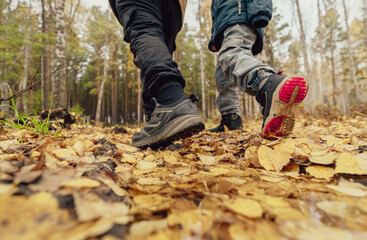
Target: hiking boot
x,y
232,121
279,98
169,123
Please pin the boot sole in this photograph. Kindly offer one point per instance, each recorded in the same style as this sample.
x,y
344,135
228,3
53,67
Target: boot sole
x,y
286,98
180,128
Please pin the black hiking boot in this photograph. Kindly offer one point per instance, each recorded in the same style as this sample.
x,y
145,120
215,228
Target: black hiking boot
x,y
232,121
279,97
170,123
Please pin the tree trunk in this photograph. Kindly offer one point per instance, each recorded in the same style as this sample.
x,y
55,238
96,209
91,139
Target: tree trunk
x,y
45,83
114,94
126,98
323,83
22,102
58,81
304,51
138,82
352,69
305,54
202,76
100,91
365,21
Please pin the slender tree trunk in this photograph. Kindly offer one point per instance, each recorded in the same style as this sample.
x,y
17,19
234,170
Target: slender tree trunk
x,y
323,82
202,76
45,83
126,97
333,77
114,93
58,81
22,102
304,50
138,82
353,68
365,21
100,92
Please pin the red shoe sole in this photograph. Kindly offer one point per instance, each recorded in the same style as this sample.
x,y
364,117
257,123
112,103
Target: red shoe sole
x,y
292,92
288,87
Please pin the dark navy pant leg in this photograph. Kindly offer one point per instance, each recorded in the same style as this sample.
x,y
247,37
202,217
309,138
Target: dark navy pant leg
x,y
151,26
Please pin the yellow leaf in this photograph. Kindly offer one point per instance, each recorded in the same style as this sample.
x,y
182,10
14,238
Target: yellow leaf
x,y
151,181
114,187
276,202
171,157
144,165
320,172
331,140
82,182
362,160
327,159
279,158
144,228
88,210
150,158
234,180
208,160
219,171
129,160
30,218
347,163
354,192
271,179
246,207
263,158
251,154
339,209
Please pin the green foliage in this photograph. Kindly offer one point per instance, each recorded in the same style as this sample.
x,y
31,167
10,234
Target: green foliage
x,y
77,109
32,123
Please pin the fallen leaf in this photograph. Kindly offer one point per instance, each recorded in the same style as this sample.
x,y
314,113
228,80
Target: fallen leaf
x,y
246,207
26,175
347,163
82,182
144,228
150,181
279,158
339,209
67,154
79,148
144,165
208,160
263,158
114,187
88,210
321,172
220,171
5,145
251,154
354,192
327,159
362,161
40,216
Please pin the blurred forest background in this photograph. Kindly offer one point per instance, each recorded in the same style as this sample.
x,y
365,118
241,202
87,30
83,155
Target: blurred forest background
x,y
99,80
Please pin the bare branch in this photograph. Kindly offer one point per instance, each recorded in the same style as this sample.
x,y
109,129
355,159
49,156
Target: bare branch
x,y
30,87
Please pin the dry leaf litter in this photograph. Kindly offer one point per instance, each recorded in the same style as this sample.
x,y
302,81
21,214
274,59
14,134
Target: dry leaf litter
x,y
91,183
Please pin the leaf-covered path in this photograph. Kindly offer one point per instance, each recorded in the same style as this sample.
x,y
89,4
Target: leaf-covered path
x,y
90,183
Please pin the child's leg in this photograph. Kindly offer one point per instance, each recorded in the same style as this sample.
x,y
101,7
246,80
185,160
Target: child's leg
x,y
227,99
237,60
228,102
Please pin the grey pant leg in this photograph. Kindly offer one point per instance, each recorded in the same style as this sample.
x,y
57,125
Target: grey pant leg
x,y
237,60
227,99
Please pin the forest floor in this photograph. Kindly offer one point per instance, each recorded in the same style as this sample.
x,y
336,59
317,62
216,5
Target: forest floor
x,y
91,183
